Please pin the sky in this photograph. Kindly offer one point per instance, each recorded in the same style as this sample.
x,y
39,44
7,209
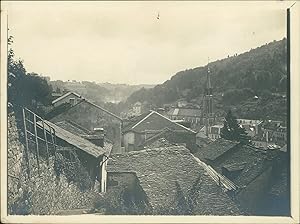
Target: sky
x,y
124,42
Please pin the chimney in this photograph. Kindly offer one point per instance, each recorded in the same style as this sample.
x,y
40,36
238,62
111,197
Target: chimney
x,y
99,137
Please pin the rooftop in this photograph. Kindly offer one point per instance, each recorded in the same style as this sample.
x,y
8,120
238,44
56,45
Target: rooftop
x,y
215,149
65,95
80,142
87,101
249,160
158,170
153,121
72,127
189,112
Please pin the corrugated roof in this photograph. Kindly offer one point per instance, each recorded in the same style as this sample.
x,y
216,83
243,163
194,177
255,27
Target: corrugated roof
x,y
79,142
157,171
215,149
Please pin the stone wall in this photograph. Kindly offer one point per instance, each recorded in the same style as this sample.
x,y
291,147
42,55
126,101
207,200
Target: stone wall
x,y
43,193
14,160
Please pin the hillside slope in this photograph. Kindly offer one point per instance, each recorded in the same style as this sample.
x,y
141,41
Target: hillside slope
x,y
236,80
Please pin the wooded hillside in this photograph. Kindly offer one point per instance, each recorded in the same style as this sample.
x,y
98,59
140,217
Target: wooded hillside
x,y
236,80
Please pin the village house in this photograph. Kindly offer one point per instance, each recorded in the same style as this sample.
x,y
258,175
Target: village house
x,y
70,97
192,115
92,156
276,132
252,170
215,131
152,123
263,142
85,115
137,108
155,178
252,127
166,137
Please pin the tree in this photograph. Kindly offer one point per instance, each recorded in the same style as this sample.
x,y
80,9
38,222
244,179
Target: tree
x,y
25,89
232,130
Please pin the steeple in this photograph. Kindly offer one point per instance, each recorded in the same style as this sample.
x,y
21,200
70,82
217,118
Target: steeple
x,y
208,82
208,103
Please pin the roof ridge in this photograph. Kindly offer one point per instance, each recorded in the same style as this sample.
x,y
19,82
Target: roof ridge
x,y
157,135
101,108
175,122
142,119
65,95
169,148
56,127
228,184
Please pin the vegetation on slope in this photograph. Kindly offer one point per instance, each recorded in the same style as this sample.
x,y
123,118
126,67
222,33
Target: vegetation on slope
x,y
236,80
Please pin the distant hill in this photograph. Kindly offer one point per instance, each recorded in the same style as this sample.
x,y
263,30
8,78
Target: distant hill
x,y
236,80
98,92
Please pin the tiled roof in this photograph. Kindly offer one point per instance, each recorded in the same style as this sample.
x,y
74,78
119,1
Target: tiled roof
x,y
153,121
157,171
215,149
79,142
188,112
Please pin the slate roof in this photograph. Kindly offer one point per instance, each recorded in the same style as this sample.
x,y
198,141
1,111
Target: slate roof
x,y
186,112
153,121
215,149
253,162
80,142
158,143
71,127
158,169
87,101
65,95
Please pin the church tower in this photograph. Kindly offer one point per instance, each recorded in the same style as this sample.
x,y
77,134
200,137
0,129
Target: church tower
x,y
208,114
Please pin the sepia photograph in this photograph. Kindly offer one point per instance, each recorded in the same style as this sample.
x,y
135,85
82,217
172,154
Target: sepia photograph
x,y
175,110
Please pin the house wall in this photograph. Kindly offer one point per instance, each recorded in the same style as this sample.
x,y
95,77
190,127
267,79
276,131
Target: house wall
x,y
128,139
133,195
90,117
66,100
172,136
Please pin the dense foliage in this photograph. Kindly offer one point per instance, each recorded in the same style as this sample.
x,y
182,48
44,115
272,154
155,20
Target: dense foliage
x,y
99,93
25,89
238,79
232,130
73,170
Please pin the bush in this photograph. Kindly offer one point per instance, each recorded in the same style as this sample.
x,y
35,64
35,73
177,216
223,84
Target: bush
x,y
73,170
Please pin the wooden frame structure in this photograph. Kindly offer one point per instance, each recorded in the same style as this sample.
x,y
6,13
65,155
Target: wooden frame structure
x,y
38,132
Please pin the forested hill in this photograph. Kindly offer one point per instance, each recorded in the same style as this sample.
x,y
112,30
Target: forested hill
x,y
260,71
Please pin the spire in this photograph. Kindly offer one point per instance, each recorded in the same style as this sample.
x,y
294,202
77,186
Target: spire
x,y
208,82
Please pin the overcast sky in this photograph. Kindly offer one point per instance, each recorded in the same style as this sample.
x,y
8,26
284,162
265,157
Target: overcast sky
x,y
124,42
